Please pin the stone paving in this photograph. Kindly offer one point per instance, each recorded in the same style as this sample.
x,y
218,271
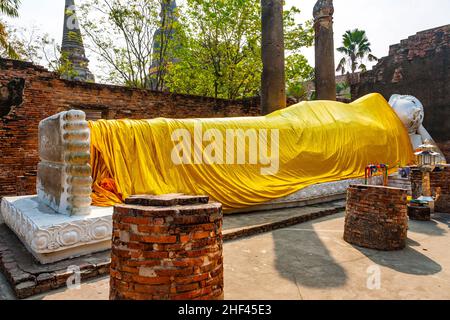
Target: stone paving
x,y
247,224
312,261
31,278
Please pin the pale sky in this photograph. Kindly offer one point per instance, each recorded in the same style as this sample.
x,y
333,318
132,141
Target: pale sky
x,y
385,21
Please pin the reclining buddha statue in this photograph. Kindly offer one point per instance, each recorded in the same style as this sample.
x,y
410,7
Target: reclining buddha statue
x,y
307,153
410,111
246,162
304,151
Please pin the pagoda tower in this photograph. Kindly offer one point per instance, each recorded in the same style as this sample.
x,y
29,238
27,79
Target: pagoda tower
x,y
168,18
72,48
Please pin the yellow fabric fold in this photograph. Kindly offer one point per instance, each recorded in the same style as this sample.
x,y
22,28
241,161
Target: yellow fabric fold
x,y
319,141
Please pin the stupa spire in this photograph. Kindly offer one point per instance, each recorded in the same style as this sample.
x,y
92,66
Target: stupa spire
x,y
168,18
72,48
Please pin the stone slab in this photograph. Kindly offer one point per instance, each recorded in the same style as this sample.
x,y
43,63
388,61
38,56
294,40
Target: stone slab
x,y
27,277
52,237
168,200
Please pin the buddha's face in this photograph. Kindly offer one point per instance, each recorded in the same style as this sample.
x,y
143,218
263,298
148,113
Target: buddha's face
x,y
409,110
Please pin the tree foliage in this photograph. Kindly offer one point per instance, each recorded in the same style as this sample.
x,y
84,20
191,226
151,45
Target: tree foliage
x,y
219,54
356,49
212,48
220,51
30,44
9,8
120,33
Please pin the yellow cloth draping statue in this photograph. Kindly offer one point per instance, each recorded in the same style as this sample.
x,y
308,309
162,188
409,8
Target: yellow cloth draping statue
x,y
242,162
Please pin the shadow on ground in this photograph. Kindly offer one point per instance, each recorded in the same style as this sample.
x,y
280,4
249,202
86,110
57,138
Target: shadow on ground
x,y
301,256
409,260
431,228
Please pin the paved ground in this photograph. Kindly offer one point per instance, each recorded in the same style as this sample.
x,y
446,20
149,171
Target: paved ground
x,y
247,220
311,261
24,270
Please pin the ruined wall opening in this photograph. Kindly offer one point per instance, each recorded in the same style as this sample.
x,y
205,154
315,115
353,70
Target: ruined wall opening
x,y
11,95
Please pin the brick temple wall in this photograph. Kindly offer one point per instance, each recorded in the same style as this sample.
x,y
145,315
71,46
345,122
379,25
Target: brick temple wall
x,y
418,66
30,93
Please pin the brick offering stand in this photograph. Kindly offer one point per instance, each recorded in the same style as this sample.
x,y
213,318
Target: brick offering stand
x,y
167,248
376,217
439,183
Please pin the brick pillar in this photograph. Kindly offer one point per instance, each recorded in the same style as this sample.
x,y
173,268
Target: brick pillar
x,y
167,248
416,178
440,187
325,70
376,217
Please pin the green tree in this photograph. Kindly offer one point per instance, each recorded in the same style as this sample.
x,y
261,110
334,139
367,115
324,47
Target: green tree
x,y
9,8
120,34
220,49
356,49
298,69
30,44
298,72
219,54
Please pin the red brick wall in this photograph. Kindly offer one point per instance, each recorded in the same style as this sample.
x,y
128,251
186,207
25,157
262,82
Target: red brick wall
x,y
45,94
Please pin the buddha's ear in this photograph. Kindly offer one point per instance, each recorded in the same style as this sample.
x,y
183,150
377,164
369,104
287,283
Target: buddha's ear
x,y
394,99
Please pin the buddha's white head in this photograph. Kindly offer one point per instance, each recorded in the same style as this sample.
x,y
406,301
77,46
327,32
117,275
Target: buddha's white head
x,y
410,110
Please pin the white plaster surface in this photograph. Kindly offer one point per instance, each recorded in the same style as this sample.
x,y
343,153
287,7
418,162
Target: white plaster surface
x,y
51,236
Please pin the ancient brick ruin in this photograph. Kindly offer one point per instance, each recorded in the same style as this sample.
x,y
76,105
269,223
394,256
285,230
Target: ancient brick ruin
x,y
167,248
439,183
30,93
418,66
376,217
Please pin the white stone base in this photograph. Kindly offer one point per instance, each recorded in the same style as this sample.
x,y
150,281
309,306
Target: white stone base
x,y
315,194
53,237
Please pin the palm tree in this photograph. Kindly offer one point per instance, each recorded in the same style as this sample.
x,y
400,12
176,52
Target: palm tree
x,y
9,8
356,48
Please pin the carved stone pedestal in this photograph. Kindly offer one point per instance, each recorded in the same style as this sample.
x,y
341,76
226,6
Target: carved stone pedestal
x,y
53,237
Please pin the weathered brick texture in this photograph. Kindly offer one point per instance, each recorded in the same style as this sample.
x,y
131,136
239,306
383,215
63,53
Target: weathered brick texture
x,y
439,183
420,213
30,93
167,248
376,217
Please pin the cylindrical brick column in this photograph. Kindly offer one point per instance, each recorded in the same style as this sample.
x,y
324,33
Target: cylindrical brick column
x,y
167,248
376,217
